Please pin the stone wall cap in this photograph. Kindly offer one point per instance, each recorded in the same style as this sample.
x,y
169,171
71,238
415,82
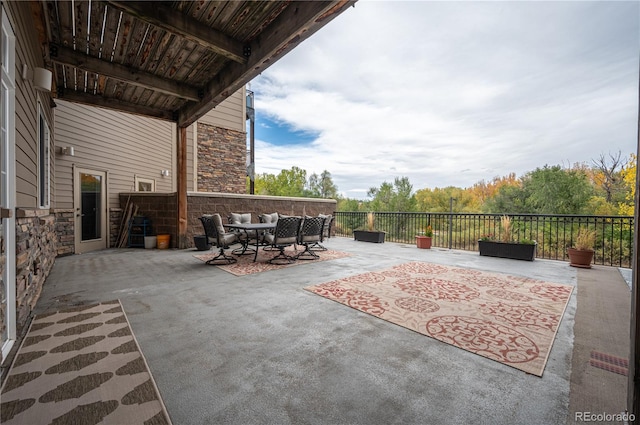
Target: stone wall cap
x,y
32,212
263,197
148,194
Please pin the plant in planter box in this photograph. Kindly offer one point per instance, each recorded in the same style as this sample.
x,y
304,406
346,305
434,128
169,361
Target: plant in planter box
x,y
370,234
424,241
506,247
581,252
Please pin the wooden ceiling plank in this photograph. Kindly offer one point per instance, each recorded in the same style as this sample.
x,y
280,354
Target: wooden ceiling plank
x,y
95,29
135,39
161,49
140,78
205,68
164,16
192,55
65,32
110,103
123,39
295,24
110,30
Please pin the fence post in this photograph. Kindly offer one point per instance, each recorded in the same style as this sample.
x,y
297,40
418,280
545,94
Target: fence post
x,y
451,199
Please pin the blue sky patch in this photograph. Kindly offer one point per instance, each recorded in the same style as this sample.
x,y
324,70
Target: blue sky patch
x,y
280,134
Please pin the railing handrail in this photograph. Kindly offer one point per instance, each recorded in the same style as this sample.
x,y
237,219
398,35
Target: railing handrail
x,y
553,232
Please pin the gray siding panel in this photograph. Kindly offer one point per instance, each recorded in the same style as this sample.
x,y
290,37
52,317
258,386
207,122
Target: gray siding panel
x,y
28,52
122,144
229,114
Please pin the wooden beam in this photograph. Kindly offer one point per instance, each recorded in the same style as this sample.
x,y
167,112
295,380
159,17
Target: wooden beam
x,y
76,59
162,15
296,23
115,104
182,187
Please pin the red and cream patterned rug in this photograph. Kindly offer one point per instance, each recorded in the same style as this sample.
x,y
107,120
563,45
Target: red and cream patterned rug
x,y
81,366
246,265
510,319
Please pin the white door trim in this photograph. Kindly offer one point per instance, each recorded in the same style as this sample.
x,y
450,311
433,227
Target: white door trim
x,y
101,242
8,191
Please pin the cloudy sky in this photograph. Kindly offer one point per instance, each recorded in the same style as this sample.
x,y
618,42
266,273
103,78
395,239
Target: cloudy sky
x,y
452,93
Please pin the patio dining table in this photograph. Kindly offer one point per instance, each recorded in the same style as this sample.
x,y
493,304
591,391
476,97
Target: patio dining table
x,y
259,228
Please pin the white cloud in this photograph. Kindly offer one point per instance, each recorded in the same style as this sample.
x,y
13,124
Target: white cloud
x,y
429,89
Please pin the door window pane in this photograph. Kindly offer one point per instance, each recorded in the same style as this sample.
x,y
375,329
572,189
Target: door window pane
x,y
90,208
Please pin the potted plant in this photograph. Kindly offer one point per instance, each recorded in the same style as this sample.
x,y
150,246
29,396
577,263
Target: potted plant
x,y
370,234
424,241
581,252
523,249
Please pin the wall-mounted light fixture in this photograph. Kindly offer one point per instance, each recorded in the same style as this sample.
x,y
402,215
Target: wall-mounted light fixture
x,y
67,150
40,77
164,173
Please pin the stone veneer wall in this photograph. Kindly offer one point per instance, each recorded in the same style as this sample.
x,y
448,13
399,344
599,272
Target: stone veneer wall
x,y
161,208
222,158
36,250
65,228
115,223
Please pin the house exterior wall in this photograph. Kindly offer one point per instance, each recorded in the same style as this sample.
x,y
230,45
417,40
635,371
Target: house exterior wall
x,y
229,114
124,145
35,242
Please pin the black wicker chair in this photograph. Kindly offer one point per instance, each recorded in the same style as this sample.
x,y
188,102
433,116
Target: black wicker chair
x,y
310,234
216,235
326,233
285,234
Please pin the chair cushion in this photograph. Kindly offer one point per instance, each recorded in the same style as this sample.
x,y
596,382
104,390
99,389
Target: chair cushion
x,y
217,220
310,238
228,238
236,218
269,218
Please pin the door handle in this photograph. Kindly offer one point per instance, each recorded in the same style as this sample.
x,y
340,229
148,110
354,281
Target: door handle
x,y
6,213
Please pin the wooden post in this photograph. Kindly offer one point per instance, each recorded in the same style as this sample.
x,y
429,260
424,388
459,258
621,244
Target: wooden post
x,y
182,188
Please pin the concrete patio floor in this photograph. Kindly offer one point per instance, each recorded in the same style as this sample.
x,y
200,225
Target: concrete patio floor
x,y
259,349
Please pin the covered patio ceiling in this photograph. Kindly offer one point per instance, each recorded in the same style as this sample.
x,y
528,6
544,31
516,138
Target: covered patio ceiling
x,y
169,60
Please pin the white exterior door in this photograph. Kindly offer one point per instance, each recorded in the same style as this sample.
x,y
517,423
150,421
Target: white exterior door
x,y
90,201
7,188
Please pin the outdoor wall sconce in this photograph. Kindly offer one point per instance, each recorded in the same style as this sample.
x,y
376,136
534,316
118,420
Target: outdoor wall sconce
x,y
164,173
67,150
40,77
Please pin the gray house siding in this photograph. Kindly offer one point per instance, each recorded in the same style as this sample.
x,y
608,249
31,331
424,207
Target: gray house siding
x,y
35,235
123,145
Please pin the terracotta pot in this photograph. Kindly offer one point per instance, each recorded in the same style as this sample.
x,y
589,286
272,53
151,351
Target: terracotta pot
x,y
580,257
423,242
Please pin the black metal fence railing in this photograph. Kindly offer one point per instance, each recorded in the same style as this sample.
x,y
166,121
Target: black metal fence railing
x,y
553,233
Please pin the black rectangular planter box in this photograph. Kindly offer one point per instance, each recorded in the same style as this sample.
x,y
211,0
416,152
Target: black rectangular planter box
x,y
367,236
513,250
